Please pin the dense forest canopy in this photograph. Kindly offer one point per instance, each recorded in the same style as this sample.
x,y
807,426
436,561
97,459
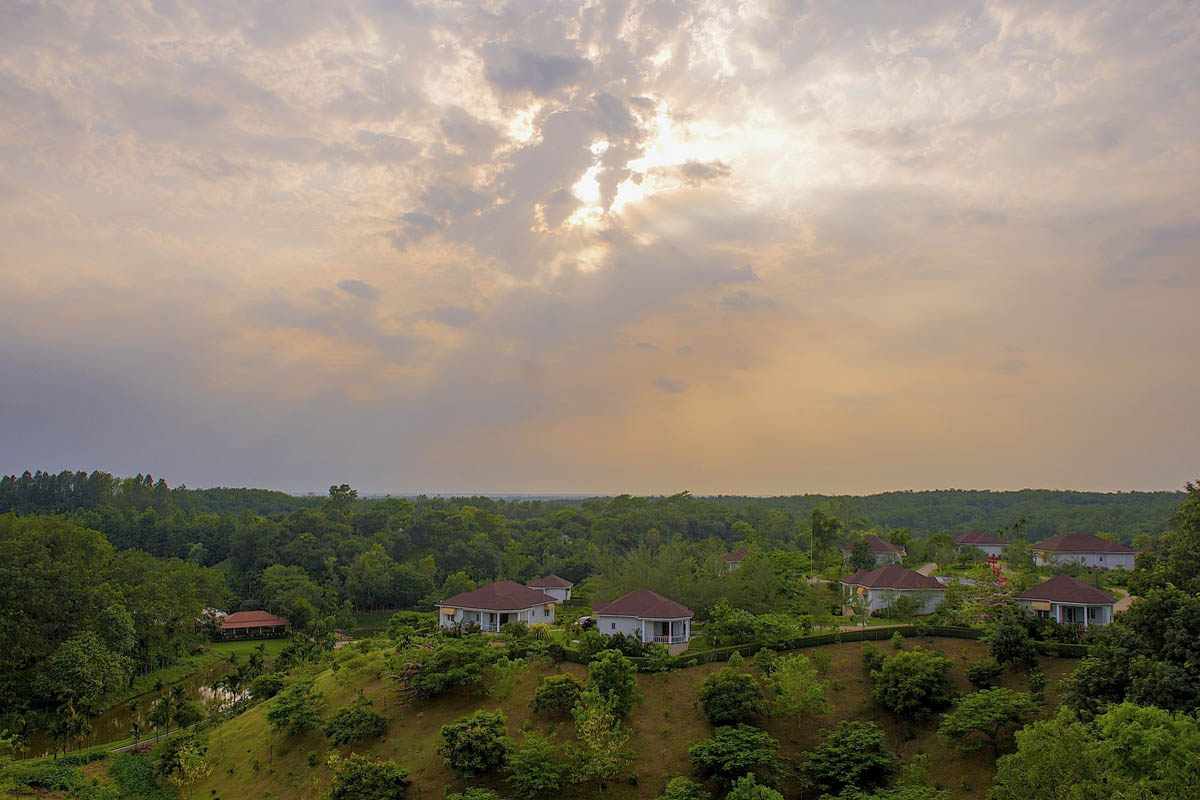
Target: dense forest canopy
x,y
105,575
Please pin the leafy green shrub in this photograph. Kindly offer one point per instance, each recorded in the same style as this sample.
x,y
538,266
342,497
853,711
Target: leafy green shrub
x,y
475,744
981,718
616,678
798,687
626,644
556,694
914,683
355,722
681,788
266,686
133,775
474,793
1008,639
897,641
766,660
853,754
591,642
729,697
180,760
872,657
983,674
356,777
429,667
1036,680
47,775
733,751
557,653
735,660
536,767
658,658
296,709
746,788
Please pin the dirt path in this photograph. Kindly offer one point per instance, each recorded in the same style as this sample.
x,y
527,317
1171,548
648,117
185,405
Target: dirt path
x,y
1124,600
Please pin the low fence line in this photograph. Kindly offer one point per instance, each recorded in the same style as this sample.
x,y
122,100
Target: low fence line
x,y
708,656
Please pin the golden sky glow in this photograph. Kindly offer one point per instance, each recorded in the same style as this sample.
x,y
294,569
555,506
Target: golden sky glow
x,y
762,247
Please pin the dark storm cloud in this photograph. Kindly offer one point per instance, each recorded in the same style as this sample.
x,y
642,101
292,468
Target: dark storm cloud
x,y
669,385
514,69
360,289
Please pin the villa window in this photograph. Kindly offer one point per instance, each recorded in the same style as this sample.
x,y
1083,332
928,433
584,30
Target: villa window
x,y
545,612
614,626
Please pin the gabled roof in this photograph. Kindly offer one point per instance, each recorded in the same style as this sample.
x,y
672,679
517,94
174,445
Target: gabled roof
x,y
502,596
734,556
1065,589
642,604
978,538
252,619
1081,543
893,576
551,581
878,545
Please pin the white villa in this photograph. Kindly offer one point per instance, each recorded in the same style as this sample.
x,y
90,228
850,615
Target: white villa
x,y
990,544
881,586
733,559
495,605
885,552
1086,549
556,587
648,616
1070,601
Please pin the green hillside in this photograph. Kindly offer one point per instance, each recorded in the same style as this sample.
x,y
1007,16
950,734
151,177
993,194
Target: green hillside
x,y
251,763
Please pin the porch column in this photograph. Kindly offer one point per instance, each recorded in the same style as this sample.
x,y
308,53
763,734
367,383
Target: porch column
x,y
643,631
1085,617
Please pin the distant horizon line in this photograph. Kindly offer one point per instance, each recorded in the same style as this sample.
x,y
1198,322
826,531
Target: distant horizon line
x,y
588,495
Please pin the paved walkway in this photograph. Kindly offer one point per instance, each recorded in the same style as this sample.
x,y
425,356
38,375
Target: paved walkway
x,y
928,569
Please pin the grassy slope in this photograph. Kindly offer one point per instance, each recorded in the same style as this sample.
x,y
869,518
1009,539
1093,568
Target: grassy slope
x,y
665,723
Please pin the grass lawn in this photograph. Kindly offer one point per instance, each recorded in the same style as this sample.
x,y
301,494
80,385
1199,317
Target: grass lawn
x,y
251,763
244,648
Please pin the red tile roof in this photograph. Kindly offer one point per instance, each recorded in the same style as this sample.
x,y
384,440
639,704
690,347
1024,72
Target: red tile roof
x,y
252,619
978,538
502,596
1081,543
736,555
642,604
878,545
893,576
551,581
1065,589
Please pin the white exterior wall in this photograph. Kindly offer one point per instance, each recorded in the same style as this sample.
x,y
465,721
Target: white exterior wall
x,y
881,559
626,625
988,549
1102,560
558,594
467,616
1102,615
633,626
927,599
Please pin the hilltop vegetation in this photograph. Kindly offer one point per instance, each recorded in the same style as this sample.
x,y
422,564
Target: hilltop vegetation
x,y
109,588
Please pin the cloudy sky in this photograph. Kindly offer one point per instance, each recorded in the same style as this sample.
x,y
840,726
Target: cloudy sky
x,y
764,247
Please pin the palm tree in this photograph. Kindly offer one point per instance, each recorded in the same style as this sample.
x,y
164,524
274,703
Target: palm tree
x,y
160,715
136,731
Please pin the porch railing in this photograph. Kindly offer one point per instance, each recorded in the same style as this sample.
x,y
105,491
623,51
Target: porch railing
x,y
668,639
